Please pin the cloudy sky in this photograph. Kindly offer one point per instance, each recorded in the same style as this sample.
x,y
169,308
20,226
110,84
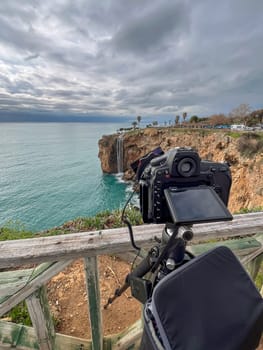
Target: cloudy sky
x,y
130,57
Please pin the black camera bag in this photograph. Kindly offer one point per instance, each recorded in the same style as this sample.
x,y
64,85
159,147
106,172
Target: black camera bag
x,y
210,303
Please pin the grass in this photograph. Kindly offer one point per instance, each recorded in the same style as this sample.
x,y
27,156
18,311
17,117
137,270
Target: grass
x,y
19,314
104,220
253,210
234,134
14,230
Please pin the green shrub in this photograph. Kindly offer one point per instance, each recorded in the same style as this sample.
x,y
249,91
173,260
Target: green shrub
x,y
19,314
104,220
253,210
234,134
14,230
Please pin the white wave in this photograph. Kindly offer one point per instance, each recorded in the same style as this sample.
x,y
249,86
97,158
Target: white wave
x,y
119,177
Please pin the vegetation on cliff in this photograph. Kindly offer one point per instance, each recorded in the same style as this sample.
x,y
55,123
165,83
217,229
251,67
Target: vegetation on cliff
x,y
250,144
104,220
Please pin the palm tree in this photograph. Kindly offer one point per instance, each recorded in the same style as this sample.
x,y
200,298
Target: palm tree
x,y
177,118
184,115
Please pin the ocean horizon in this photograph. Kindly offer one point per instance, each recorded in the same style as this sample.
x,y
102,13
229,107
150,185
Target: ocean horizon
x,y
50,173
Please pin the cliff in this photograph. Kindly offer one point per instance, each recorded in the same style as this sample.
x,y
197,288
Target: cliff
x,y
243,152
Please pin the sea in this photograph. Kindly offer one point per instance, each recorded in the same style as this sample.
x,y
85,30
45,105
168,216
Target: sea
x,y
50,173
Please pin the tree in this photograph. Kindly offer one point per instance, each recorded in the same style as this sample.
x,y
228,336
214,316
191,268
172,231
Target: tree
x,y
134,124
155,123
177,118
256,117
218,119
194,119
184,116
139,118
241,113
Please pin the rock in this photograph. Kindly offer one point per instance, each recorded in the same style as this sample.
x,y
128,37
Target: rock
x,y
247,173
107,153
152,132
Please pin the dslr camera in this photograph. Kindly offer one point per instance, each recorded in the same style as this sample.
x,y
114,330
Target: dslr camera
x,y
179,187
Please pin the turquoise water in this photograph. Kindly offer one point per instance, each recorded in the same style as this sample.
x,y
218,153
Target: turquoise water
x,y
50,173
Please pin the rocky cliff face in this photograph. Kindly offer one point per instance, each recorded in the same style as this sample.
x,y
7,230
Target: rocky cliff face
x,y
247,170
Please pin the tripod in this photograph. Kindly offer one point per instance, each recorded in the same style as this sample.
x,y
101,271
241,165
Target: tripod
x,y
168,254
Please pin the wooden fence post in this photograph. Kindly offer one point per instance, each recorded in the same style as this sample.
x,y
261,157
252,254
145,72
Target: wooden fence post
x,y
254,266
93,291
41,318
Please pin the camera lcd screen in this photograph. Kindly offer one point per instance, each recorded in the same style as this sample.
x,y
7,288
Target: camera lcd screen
x,y
196,205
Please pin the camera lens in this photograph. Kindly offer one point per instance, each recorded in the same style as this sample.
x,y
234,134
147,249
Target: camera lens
x,y
186,167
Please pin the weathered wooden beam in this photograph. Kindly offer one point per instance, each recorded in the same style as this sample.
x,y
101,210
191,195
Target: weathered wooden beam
x,y
130,339
38,308
250,257
12,281
22,337
54,248
93,291
37,280
241,247
17,336
254,266
241,225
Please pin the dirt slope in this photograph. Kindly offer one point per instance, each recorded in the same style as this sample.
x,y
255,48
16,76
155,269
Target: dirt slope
x,y
68,299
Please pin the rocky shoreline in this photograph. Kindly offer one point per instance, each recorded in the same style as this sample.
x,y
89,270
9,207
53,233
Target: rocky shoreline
x,y
244,153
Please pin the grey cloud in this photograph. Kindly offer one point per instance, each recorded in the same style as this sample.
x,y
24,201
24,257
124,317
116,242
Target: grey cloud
x,y
21,87
71,94
31,57
16,10
18,38
143,33
151,56
5,81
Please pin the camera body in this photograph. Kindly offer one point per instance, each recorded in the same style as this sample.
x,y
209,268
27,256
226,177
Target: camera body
x,y
179,168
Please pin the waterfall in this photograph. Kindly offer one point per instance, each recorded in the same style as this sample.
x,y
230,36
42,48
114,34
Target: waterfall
x,y
120,154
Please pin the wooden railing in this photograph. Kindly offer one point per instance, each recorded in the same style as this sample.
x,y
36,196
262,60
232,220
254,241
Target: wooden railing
x,y
57,252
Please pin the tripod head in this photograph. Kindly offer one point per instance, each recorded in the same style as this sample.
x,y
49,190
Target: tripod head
x,y
168,253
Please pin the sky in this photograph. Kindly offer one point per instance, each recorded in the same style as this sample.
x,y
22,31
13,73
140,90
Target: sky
x,y
130,57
